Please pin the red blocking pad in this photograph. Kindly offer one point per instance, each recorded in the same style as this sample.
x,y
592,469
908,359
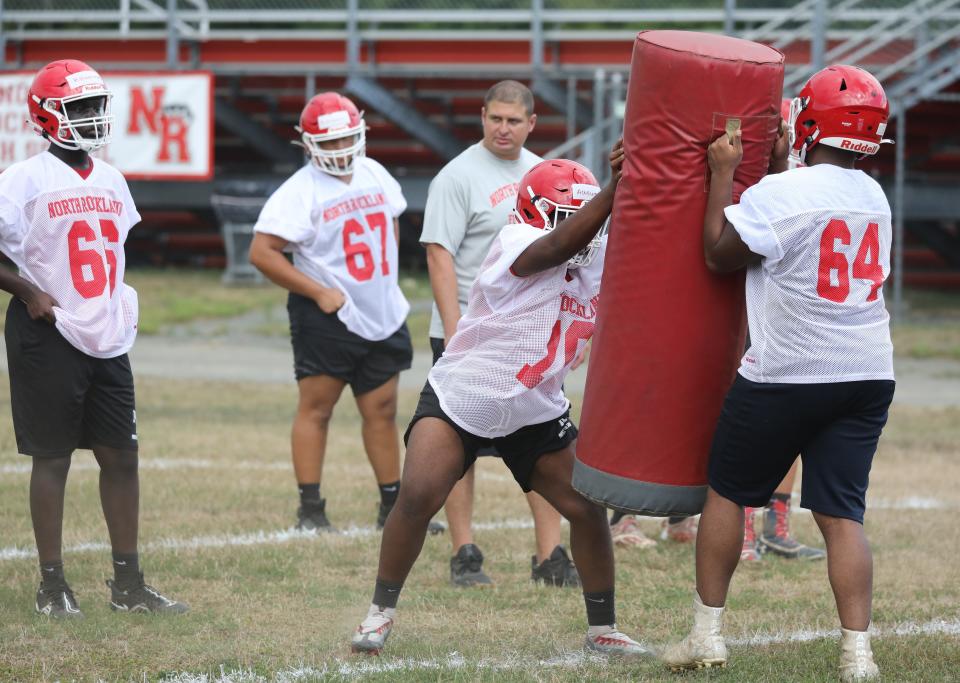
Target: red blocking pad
x,y
669,333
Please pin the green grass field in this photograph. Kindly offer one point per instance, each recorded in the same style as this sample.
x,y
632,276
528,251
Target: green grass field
x,y
218,497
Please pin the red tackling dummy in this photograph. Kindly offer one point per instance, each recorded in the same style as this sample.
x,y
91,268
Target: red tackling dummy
x,y
670,334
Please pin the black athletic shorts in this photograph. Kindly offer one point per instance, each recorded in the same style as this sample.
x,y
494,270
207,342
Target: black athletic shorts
x,y
322,345
519,450
834,427
63,399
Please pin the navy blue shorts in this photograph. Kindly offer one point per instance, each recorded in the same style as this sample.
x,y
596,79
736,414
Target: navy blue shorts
x,y
519,450
834,427
322,345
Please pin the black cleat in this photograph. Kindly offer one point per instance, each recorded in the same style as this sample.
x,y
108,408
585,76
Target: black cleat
x,y
57,602
556,570
143,599
466,568
313,517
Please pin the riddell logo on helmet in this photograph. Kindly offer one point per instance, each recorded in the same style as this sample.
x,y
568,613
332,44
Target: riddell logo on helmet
x,y
859,146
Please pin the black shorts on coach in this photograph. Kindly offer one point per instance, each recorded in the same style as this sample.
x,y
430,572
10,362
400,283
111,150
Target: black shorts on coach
x,y
61,398
834,428
519,450
322,345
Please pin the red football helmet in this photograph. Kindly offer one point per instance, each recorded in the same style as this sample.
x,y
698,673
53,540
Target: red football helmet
x,y
552,191
840,106
70,106
330,116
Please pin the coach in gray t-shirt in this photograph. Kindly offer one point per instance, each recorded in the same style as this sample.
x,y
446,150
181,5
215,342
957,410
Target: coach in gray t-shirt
x,y
468,203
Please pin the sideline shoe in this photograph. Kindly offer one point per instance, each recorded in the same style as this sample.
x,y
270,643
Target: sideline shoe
x,y
627,533
556,570
609,641
372,633
435,528
856,657
312,517
57,602
466,568
749,552
775,537
143,599
704,646
684,531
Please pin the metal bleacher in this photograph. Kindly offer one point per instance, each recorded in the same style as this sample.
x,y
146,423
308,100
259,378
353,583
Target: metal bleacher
x,y
420,68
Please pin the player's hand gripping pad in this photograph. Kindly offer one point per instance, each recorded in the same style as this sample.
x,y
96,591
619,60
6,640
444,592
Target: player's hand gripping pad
x,y
669,333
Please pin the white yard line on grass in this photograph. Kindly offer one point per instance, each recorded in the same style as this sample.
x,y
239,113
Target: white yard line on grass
x,y
165,464
254,538
276,537
366,666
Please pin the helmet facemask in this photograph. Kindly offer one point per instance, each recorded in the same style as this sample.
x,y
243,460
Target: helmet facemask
x,y
337,162
80,130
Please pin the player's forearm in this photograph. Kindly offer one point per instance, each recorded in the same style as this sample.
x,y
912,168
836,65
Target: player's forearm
x,y
568,238
16,285
276,268
443,282
720,197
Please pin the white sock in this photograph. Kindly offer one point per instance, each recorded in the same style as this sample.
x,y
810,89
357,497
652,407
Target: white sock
x,y
390,612
596,631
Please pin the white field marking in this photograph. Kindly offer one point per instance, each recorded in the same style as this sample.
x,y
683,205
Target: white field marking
x,y
366,666
164,464
250,539
278,537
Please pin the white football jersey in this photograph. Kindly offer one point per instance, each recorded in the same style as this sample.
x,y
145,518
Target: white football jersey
x,y
815,300
504,368
65,233
341,235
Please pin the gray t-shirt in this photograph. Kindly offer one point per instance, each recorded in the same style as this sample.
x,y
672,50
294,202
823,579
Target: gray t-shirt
x,y
467,204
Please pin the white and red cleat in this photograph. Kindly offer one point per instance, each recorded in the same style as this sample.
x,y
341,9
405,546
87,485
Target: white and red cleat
x,y
372,633
608,640
627,533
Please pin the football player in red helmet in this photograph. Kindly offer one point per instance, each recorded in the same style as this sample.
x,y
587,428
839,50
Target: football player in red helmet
x,y
64,218
818,376
500,382
338,215
333,132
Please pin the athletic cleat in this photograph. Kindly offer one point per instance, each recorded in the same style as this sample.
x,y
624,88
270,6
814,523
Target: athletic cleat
x,y
142,599
312,517
612,642
57,602
856,657
776,539
684,531
435,528
466,568
627,533
703,648
372,633
749,552
556,570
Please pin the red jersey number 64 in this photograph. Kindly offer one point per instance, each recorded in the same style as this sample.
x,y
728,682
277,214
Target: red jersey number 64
x,y
866,264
